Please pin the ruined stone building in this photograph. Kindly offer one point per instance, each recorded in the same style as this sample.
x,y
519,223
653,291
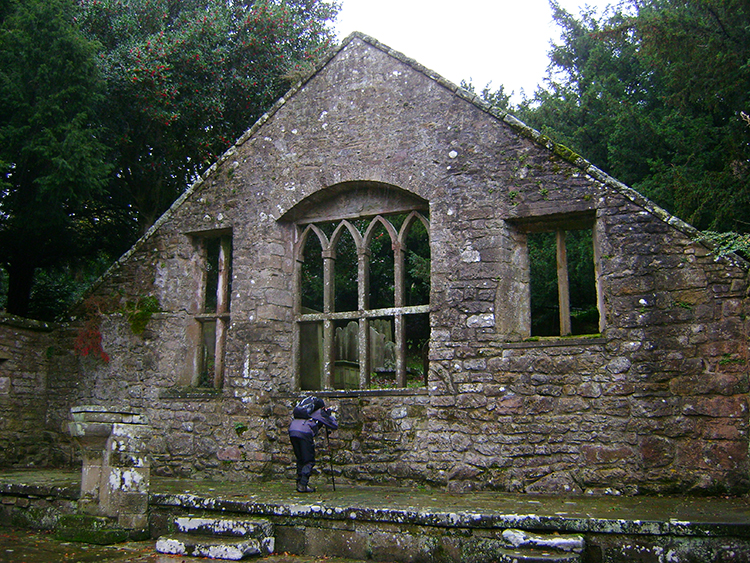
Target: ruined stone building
x,y
371,239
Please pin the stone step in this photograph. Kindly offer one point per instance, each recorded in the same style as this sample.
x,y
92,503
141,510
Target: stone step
x,y
536,555
87,528
573,543
218,538
528,547
214,547
232,527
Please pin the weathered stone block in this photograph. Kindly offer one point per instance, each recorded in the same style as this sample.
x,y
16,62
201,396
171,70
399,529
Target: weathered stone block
x,y
90,529
717,407
606,454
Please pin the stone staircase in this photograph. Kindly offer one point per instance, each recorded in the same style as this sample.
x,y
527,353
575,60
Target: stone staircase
x,y
526,547
218,538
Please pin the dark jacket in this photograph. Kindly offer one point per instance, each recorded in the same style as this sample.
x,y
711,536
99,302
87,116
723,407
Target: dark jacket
x,y
309,427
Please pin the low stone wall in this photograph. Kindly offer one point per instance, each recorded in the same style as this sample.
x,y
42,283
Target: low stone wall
x,y
24,352
36,506
38,385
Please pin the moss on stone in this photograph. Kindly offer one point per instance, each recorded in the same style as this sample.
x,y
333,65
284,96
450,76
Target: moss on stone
x,y
565,153
85,528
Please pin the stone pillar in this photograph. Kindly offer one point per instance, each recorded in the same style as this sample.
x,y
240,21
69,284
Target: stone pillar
x,y
116,470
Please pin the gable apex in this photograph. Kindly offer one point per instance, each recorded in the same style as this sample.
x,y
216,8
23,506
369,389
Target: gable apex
x,y
521,128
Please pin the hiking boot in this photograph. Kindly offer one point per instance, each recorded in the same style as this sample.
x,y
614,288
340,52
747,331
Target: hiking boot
x,y
305,488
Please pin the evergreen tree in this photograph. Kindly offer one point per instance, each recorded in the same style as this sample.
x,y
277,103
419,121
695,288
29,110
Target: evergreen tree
x,y
174,83
655,98
51,155
601,100
186,77
702,50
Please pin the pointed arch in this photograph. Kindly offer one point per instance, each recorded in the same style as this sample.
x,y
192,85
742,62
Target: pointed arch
x,y
378,220
359,340
352,230
299,249
346,252
408,222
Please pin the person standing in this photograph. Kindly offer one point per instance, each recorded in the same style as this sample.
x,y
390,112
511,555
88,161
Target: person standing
x,y
310,415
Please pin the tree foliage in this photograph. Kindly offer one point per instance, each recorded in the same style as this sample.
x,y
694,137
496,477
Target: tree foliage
x,y
186,77
701,48
599,94
654,95
51,154
173,84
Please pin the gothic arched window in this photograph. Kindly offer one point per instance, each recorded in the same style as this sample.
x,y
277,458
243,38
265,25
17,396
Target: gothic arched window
x,y
363,287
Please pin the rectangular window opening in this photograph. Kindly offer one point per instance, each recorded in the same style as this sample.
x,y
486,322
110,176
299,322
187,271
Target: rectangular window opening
x,y
563,285
213,318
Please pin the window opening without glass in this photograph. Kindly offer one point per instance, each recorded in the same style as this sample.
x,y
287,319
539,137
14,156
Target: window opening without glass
x,y
213,317
563,286
363,306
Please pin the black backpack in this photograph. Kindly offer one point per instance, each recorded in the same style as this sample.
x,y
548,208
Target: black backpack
x,y
307,406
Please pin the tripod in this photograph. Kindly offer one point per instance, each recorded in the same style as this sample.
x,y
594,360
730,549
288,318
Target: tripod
x,y
330,457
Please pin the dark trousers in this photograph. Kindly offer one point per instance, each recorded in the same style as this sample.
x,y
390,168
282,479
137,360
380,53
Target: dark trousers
x,y
304,451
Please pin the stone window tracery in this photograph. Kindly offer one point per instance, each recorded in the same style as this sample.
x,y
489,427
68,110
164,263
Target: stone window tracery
x,y
363,301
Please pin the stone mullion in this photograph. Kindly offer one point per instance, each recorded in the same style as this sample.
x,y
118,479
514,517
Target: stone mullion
x,y
600,305
328,354
363,299
363,279
329,289
400,340
563,290
399,328
364,353
398,274
221,338
222,308
222,289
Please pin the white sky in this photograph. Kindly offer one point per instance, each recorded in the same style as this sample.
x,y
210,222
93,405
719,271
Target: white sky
x,y
504,42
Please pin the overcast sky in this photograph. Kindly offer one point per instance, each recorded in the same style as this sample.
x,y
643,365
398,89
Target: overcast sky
x,y
504,42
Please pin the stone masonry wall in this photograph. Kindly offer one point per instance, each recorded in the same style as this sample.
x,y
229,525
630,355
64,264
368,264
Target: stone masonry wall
x,y
24,348
39,376
655,403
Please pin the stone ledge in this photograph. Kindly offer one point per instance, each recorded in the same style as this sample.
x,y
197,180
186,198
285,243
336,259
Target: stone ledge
x,y
354,393
191,393
548,342
292,511
25,490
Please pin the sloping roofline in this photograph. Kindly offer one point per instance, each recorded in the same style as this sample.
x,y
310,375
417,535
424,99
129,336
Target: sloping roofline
x,y
520,127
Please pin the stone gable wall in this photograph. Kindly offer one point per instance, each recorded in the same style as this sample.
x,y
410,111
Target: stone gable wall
x,y
656,403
